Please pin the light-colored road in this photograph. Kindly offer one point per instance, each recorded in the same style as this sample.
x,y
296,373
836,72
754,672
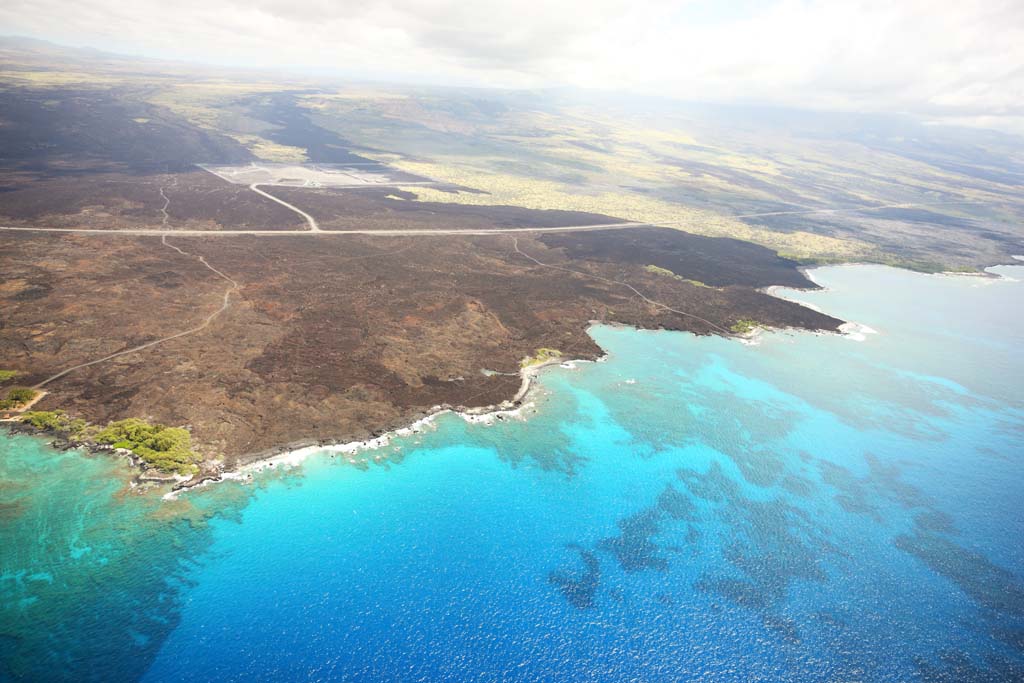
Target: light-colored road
x,y
313,227
206,322
152,232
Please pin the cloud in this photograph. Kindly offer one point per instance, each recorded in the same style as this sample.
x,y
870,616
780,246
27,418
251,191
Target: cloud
x,y
939,58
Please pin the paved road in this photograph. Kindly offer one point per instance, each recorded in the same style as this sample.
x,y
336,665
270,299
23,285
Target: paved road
x,y
157,232
314,229
313,226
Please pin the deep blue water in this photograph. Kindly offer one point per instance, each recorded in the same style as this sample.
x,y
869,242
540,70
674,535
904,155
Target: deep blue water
x,y
812,508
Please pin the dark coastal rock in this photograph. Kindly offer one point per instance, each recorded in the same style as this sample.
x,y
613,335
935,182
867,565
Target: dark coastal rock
x,y
202,477
153,475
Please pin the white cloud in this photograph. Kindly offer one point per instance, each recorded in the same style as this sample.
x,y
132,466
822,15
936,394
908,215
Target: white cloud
x,y
937,57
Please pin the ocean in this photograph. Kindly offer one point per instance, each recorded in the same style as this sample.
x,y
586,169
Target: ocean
x,y
804,508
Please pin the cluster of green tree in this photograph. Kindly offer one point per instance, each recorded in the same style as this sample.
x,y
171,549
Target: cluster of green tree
x,y
168,449
57,421
658,270
8,375
744,325
17,397
543,355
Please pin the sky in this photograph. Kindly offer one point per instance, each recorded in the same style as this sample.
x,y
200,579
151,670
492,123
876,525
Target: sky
x,y
946,59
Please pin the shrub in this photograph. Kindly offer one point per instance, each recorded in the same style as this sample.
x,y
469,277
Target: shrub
x,y
17,397
543,355
55,420
168,449
658,270
45,419
744,325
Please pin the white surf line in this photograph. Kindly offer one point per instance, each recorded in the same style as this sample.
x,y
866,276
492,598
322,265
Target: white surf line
x,y
728,333
313,227
151,232
209,319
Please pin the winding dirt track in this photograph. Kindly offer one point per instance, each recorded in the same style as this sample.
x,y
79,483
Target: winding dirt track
x,y
314,229
225,304
515,245
234,286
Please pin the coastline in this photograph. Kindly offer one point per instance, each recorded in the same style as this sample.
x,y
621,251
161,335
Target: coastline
x,y
858,331
849,329
293,455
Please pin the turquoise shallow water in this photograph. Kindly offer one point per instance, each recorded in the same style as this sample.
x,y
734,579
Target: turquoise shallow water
x,y
811,508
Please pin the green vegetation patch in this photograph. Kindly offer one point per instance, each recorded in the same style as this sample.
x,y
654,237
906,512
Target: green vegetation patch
x,y
543,355
168,449
8,375
658,270
745,326
55,420
17,397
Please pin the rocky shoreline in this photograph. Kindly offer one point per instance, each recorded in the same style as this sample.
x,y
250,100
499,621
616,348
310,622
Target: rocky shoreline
x,y
63,441
293,454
